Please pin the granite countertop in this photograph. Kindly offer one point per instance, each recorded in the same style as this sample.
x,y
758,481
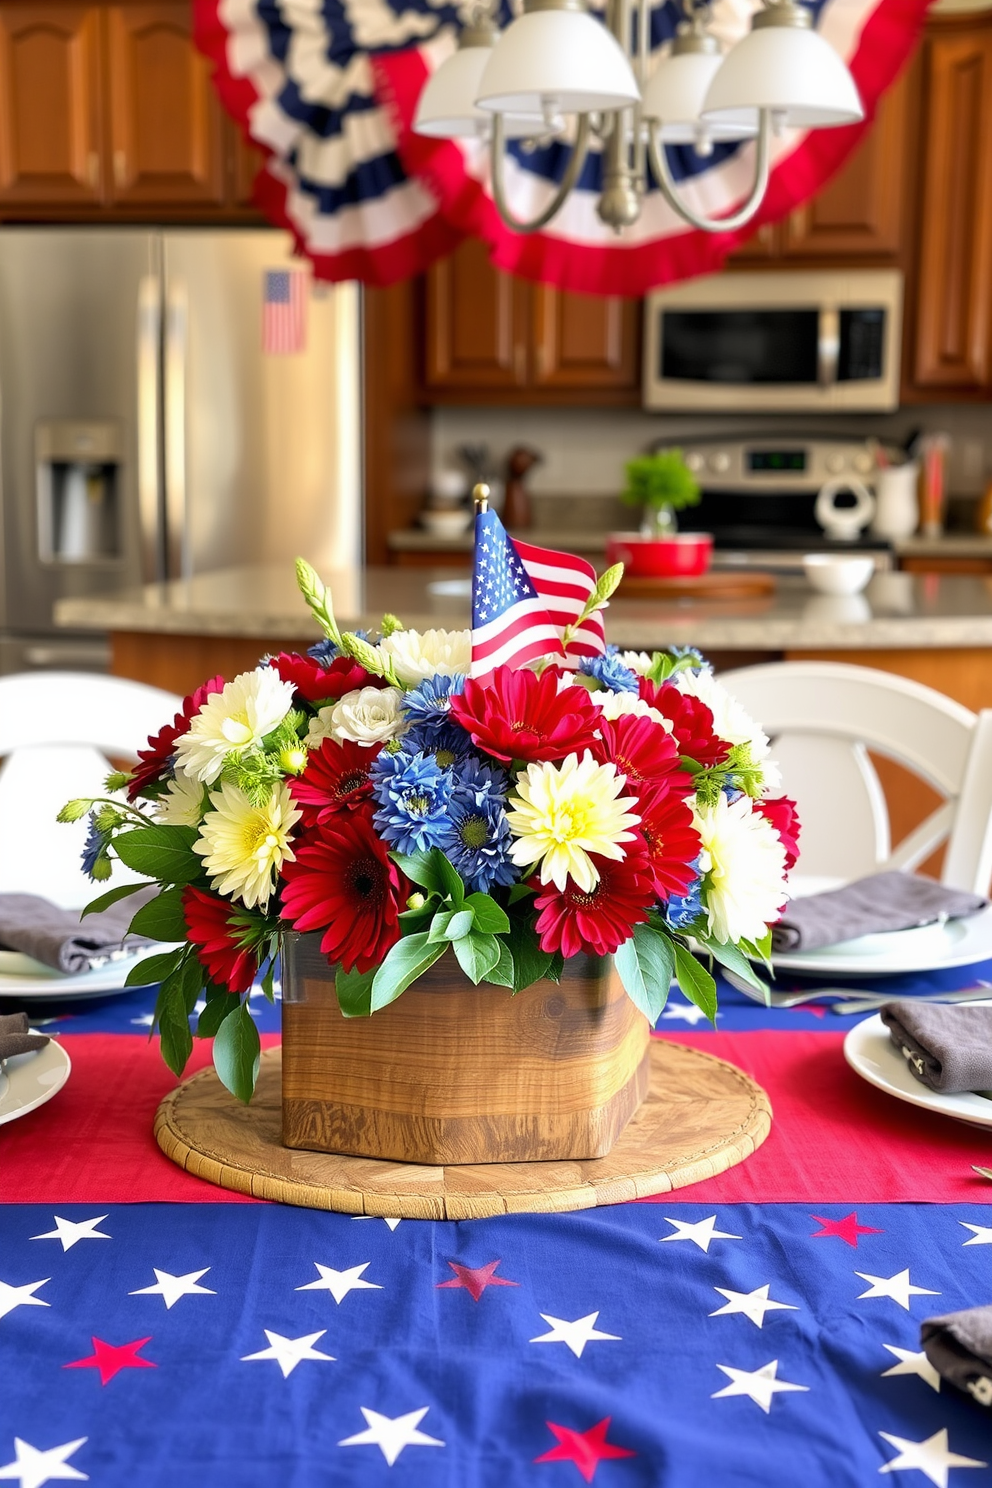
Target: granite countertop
x,y
418,540
896,610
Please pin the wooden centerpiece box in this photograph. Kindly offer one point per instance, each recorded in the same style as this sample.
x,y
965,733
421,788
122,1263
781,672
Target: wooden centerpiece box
x,y
457,1073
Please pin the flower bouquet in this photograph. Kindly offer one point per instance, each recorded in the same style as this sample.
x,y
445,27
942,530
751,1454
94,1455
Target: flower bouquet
x,y
376,793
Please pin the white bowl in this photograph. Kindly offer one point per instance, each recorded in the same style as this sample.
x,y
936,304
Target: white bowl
x,y
838,573
446,523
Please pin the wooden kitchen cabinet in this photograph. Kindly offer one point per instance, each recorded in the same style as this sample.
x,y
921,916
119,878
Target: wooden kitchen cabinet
x,y
476,323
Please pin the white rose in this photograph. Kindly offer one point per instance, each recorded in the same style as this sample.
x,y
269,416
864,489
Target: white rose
x,y
369,715
436,653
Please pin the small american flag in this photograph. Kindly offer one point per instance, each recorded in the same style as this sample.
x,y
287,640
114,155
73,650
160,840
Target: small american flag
x,y
523,598
284,304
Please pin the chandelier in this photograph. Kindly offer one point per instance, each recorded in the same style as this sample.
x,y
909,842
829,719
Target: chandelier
x,y
556,60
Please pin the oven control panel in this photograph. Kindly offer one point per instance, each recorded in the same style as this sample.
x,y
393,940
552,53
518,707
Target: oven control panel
x,y
772,462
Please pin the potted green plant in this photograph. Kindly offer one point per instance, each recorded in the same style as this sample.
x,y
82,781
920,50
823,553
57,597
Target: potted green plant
x,y
660,484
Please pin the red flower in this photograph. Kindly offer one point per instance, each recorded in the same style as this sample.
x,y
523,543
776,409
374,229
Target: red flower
x,y
600,921
336,779
784,817
156,760
642,751
344,883
316,683
691,720
517,715
671,840
214,927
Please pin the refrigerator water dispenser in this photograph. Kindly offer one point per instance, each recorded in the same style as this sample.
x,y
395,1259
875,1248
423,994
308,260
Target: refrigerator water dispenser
x,y
79,491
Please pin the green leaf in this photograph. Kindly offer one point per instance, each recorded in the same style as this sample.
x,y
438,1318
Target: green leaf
x,y
477,953
556,967
646,963
501,975
530,963
354,989
161,918
460,924
74,811
165,853
216,1010
519,891
449,878
236,1053
110,897
407,959
268,980
734,959
420,868
695,981
438,930
154,968
176,999
488,915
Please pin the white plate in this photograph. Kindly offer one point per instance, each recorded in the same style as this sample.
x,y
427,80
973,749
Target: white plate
x,y
46,983
29,1080
924,948
871,1053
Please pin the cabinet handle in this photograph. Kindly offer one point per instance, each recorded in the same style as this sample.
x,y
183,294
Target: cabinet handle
x,y
520,362
120,168
93,169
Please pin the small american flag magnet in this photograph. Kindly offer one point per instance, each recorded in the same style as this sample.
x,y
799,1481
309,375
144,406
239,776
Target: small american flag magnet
x,y
284,311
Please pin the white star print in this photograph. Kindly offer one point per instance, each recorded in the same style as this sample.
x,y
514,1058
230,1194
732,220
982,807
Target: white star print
x,y
339,1283
392,1434
145,1020
392,1223
701,1233
71,1232
930,1457
21,1296
688,1012
910,1363
982,1235
576,1335
33,1468
288,1352
758,1384
898,1287
171,1288
753,1305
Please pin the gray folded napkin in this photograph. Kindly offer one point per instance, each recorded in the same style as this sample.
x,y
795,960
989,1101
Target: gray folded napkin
x,y
57,937
15,1036
885,901
947,1048
959,1346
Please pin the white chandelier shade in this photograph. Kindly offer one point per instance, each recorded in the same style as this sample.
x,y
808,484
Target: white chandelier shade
x,y
674,100
789,70
557,61
447,108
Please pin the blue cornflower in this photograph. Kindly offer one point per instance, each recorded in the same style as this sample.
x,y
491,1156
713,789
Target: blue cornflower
x,y
478,838
610,671
442,739
413,795
682,912
693,660
326,651
431,699
92,847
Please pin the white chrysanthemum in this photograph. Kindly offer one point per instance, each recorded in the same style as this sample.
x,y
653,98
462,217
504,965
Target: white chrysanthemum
x,y
369,715
637,661
234,719
613,704
731,720
745,863
560,813
243,846
436,653
182,804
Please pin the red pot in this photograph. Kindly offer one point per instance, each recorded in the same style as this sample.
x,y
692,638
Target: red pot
x,y
684,555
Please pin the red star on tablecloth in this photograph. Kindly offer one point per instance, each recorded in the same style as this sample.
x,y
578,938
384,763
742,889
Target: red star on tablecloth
x,y
846,1229
475,1279
111,1358
587,1449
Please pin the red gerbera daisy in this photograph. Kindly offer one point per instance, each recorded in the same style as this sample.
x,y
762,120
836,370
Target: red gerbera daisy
x,y
784,817
344,883
643,751
215,928
315,682
155,761
691,720
671,840
517,715
597,922
336,779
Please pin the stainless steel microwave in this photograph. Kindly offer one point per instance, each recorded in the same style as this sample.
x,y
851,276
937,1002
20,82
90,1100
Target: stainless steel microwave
x,y
775,342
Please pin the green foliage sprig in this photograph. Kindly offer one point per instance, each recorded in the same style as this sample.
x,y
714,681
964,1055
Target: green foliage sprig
x,y
660,480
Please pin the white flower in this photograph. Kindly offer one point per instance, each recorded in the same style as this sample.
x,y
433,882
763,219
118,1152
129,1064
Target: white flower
x,y
243,846
563,812
232,720
436,653
731,720
613,704
182,804
638,661
369,715
745,864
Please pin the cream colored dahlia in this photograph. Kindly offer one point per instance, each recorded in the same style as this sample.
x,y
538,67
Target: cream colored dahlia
x,y
744,863
731,720
182,804
232,720
369,715
561,813
436,653
243,846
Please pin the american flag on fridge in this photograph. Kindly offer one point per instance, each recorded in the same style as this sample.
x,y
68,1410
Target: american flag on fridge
x,y
284,303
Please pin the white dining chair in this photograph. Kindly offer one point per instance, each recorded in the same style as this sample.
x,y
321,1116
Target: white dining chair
x,y
825,717
59,732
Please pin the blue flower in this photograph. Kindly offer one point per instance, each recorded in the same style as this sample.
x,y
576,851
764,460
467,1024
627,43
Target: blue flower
x,y
691,659
431,699
326,651
413,795
682,912
610,671
443,740
93,847
477,842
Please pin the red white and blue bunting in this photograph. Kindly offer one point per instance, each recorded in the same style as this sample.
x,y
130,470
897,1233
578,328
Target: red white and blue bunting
x,y
329,88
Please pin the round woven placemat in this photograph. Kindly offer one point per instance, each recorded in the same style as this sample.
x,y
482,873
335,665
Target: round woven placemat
x,y
701,1116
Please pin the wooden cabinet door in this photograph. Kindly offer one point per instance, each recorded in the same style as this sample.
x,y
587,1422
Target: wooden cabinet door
x,y
246,162
49,104
585,342
953,332
476,325
165,123
859,213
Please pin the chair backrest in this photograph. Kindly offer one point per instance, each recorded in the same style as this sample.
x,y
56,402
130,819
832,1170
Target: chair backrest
x,y
56,731
825,717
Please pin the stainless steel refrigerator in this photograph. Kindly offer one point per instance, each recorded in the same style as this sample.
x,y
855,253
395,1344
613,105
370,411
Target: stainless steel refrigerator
x,y
149,430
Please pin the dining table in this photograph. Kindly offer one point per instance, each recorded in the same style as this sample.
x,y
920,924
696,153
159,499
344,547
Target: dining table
x,y
760,1327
